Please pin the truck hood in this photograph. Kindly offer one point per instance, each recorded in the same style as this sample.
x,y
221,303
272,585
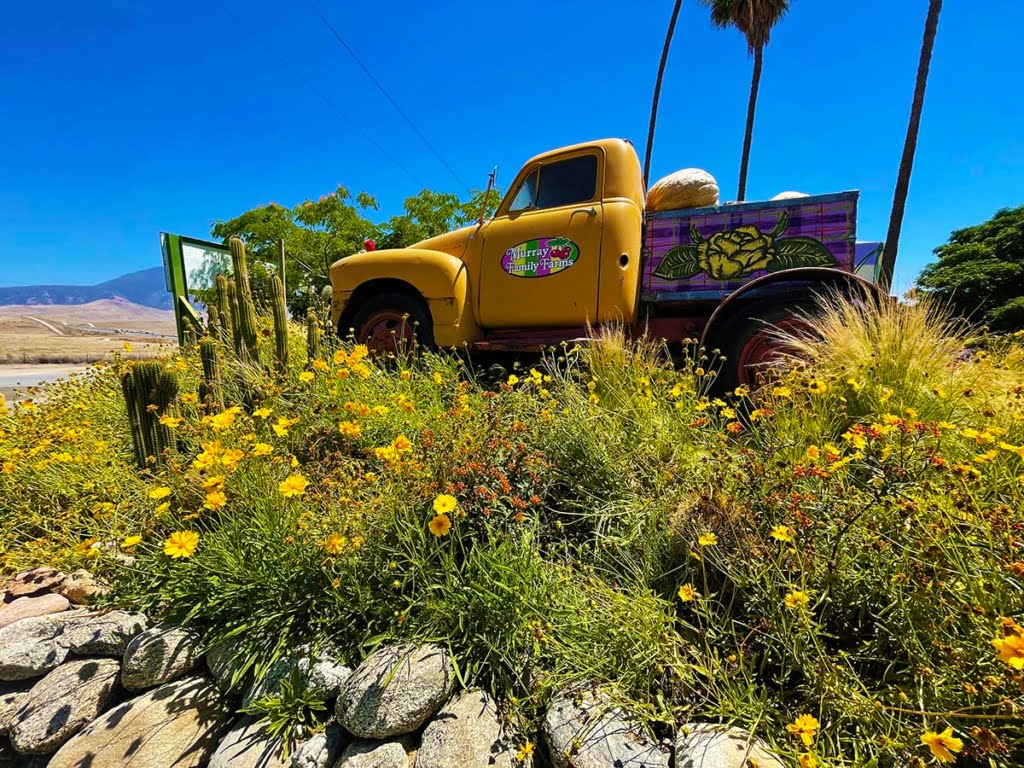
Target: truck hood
x,y
453,243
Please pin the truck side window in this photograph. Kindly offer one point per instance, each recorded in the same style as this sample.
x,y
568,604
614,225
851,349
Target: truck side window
x,y
526,195
568,181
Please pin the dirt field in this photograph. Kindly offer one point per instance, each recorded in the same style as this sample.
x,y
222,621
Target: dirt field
x,y
82,333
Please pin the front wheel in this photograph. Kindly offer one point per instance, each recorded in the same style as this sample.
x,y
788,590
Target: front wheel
x,y
392,323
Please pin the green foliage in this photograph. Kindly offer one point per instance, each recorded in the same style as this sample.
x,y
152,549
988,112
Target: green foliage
x,y
980,272
317,233
290,712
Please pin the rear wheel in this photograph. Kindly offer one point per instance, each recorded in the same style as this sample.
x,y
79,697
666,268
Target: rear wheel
x,y
751,344
392,323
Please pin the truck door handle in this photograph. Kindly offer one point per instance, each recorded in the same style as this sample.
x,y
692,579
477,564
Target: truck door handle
x,y
589,211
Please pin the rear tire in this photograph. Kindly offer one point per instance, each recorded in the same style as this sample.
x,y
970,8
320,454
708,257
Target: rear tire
x,y
748,341
392,323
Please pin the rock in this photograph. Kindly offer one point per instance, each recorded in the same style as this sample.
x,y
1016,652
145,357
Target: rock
x,y
708,745
27,607
9,704
321,750
158,655
220,660
34,582
176,725
376,754
81,588
103,634
395,690
11,759
688,188
465,733
270,683
63,703
248,745
33,647
324,674
593,734
790,195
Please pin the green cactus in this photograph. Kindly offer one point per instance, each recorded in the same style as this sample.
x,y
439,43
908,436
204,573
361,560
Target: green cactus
x,y
212,319
280,315
245,315
236,327
209,388
149,393
191,335
225,315
312,336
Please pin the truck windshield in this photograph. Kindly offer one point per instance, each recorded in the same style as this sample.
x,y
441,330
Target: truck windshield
x,y
526,195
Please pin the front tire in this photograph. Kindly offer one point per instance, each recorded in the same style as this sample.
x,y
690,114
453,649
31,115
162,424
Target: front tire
x,y
392,323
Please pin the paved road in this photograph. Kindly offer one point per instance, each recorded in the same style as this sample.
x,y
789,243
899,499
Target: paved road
x,y
19,376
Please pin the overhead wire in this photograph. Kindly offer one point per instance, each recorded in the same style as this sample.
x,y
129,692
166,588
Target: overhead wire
x,y
394,103
345,116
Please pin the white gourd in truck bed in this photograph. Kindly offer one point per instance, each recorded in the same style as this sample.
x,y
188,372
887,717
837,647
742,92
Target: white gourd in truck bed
x,y
688,188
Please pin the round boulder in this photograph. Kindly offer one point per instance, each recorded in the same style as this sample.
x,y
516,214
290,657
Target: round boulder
x,y
466,733
158,655
63,703
709,745
395,690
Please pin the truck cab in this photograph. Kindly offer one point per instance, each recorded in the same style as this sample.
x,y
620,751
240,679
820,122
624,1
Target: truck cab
x,y
562,251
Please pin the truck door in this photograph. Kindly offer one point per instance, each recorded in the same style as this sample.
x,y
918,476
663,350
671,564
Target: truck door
x,y
541,252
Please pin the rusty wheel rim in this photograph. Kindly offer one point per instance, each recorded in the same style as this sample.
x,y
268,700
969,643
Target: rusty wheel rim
x,y
387,330
764,350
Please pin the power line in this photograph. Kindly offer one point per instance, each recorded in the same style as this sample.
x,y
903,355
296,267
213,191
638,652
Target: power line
x,y
388,96
340,112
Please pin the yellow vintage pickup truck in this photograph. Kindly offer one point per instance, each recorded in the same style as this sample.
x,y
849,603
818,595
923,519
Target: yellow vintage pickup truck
x,y
571,247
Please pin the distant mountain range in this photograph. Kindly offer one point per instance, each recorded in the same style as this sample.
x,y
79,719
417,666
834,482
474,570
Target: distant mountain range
x,y
144,287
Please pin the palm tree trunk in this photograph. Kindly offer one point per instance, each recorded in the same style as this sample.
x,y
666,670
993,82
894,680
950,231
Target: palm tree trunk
x,y
755,83
899,200
657,92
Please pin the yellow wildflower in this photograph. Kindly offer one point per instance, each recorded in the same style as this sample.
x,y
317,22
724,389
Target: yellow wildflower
x,y
782,391
943,746
262,449
796,599
181,544
1011,651
783,533
817,387
406,375
687,593
524,752
283,425
350,428
214,482
170,421
262,413
293,485
160,493
340,357
807,760
334,544
231,457
708,539
440,525
130,541
306,376
444,503
215,499
805,727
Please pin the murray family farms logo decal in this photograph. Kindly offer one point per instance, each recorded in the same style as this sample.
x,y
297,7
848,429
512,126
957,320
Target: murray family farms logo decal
x,y
541,257
739,252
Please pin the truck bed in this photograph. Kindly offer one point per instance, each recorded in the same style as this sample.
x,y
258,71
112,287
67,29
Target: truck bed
x,y
707,253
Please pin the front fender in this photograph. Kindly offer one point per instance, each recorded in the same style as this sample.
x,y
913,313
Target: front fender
x,y
440,279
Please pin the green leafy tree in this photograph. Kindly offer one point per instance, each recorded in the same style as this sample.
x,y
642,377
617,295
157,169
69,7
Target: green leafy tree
x,y
315,234
980,271
755,19
429,214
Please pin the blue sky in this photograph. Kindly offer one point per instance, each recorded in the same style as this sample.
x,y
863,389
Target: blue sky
x,y
122,118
